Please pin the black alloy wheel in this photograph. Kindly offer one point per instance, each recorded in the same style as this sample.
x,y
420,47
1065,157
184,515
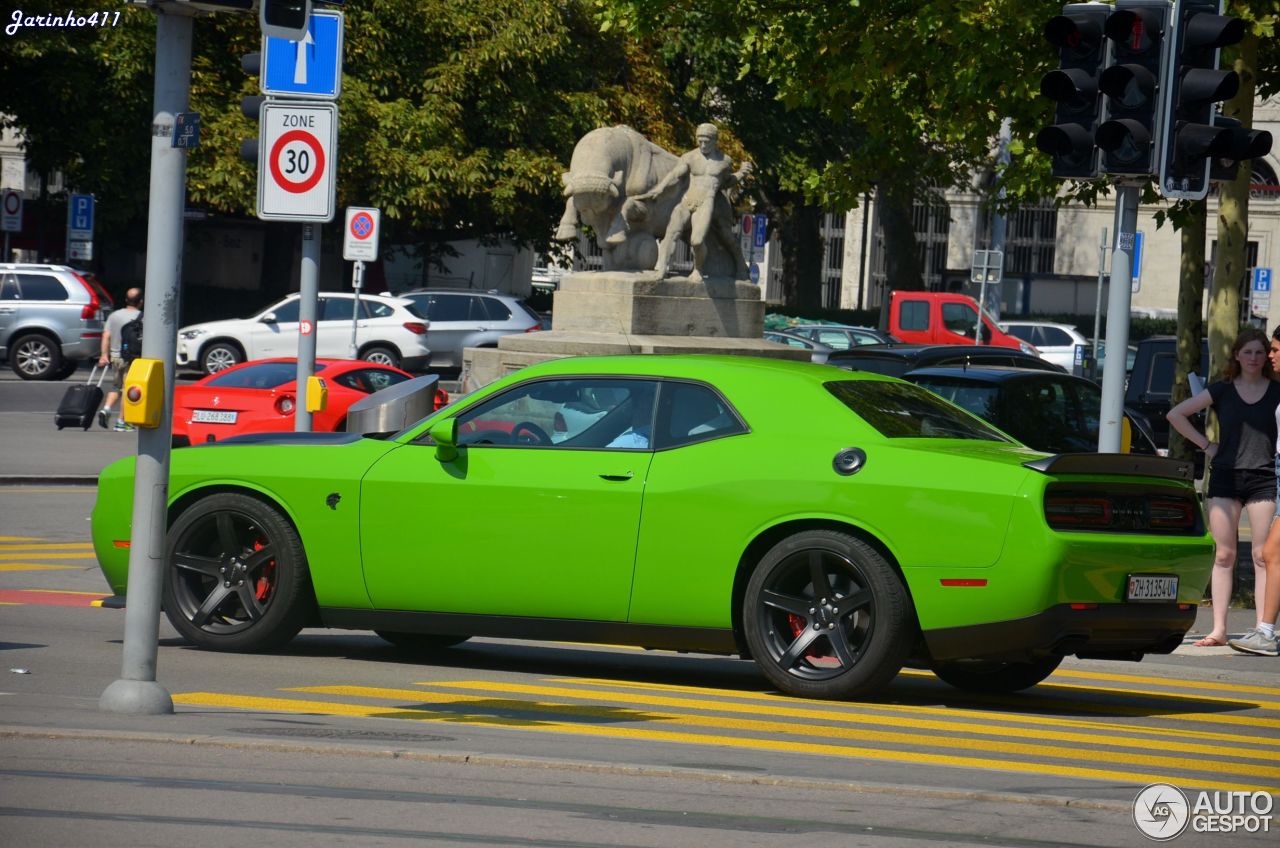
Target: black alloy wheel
x,y
826,616
237,577
992,676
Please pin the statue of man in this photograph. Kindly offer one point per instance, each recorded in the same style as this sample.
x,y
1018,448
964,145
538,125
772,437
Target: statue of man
x,y
704,208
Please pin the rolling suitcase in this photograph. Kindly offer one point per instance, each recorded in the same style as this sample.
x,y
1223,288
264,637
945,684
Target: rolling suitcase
x,y
81,402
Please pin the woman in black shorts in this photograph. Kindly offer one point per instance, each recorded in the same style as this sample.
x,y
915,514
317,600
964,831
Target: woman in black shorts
x,y
1242,476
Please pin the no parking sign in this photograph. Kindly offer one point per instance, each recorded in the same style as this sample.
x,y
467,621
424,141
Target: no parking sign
x,y
360,236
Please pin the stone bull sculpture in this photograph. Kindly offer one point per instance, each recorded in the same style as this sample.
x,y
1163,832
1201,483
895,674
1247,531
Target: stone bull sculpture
x,y
610,169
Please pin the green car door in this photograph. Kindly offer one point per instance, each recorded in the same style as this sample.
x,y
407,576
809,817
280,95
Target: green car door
x,y
536,515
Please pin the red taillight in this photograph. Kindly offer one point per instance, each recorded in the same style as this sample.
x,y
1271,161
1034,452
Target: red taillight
x,y
1172,513
1084,606
1077,511
442,399
535,328
90,311
285,404
416,327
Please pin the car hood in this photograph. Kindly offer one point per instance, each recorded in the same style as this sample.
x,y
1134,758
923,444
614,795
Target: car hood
x,y
225,325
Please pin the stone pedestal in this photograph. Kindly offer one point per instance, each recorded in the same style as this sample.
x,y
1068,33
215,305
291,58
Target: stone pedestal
x,y
607,313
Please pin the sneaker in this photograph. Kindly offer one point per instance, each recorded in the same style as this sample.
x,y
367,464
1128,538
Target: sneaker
x,y
122,427
102,417
1254,642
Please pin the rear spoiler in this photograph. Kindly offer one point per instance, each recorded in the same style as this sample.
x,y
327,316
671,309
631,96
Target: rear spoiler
x,y
1114,463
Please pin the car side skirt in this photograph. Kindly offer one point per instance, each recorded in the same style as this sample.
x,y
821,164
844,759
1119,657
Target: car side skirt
x,y
708,640
1107,631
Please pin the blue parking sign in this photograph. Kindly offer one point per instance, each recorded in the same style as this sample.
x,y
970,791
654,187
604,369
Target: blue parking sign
x,y
80,216
1262,280
310,68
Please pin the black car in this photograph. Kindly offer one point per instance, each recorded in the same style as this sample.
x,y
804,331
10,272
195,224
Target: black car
x,y
1047,410
896,360
1150,386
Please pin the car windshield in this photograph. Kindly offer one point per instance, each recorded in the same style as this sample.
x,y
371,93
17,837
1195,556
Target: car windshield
x,y
263,375
904,411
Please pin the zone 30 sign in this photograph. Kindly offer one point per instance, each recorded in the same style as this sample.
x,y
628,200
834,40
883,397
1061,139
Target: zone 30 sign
x,y
297,161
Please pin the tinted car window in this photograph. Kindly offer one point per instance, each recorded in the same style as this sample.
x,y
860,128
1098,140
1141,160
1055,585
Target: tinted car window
x,y
375,309
335,309
369,380
1162,368
958,317
1055,336
901,410
978,398
1045,413
287,311
41,287
493,309
834,339
449,307
689,413
264,375
914,316
9,288
1022,331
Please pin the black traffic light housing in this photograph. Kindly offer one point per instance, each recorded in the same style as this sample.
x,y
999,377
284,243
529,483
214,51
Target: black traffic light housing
x,y
1192,139
251,105
1243,144
1082,51
284,18
1130,85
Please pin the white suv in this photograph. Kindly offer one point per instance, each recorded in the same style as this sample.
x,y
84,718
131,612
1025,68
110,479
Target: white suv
x,y
1056,342
389,330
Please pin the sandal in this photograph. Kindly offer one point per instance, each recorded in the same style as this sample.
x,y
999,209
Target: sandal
x,y
1210,642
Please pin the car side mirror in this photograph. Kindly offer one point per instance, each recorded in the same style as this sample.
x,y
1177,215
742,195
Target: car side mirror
x,y
269,318
445,435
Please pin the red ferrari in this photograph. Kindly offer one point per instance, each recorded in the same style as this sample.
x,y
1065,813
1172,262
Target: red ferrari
x,y
260,397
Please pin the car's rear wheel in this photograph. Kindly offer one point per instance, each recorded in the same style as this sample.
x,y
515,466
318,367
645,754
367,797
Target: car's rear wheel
x,y
826,616
421,642
35,356
381,355
989,676
237,577
220,356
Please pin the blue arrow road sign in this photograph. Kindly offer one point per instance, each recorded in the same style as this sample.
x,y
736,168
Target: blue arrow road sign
x,y
80,217
310,68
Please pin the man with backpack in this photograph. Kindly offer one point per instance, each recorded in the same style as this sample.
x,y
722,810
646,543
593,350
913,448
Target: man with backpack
x,y
121,344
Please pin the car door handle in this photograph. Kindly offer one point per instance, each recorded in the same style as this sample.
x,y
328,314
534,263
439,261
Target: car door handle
x,y
617,477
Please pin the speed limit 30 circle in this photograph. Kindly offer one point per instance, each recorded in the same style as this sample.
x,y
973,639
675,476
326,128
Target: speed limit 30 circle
x,y
297,161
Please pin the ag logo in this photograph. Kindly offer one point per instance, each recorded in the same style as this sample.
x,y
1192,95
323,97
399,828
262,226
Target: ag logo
x,y
1161,811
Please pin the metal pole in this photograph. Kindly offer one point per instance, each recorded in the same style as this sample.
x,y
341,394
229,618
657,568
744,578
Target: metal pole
x,y
6,246
309,289
357,280
998,220
1097,308
137,690
1118,300
982,299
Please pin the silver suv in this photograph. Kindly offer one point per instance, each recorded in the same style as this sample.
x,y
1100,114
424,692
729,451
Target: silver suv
x,y
461,318
51,318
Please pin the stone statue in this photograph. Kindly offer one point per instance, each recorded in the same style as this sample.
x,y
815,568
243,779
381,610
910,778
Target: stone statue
x,y
633,193
704,208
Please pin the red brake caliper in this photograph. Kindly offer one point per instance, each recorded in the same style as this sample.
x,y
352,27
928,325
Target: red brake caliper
x,y
263,586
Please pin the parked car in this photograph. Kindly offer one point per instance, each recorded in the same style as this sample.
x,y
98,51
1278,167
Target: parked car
x,y
1056,342
389,331
461,319
262,396
817,350
863,524
51,319
1150,385
922,317
1045,410
896,360
840,337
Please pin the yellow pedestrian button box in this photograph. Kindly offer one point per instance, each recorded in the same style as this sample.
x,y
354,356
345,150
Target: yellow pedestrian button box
x,y
143,397
317,394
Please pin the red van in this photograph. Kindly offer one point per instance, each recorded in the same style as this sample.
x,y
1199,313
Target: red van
x,y
924,317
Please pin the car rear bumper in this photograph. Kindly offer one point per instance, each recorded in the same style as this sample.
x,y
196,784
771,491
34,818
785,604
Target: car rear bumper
x,y
1117,631
415,363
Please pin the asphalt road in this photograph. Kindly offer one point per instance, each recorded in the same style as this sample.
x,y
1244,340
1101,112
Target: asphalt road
x,y
342,739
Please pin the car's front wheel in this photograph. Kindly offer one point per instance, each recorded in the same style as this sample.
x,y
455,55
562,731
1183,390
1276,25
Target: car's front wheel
x,y
826,616
237,577
381,355
35,356
220,356
990,676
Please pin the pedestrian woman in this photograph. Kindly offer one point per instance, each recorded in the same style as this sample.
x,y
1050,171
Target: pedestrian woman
x,y
1242,476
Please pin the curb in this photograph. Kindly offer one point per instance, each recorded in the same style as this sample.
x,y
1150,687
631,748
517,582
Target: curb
x,y
48,479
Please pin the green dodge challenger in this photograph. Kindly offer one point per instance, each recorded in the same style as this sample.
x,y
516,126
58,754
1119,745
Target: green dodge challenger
x,y
832,526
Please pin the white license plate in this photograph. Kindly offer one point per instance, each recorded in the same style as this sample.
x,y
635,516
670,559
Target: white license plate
x,y
1152,587
213,416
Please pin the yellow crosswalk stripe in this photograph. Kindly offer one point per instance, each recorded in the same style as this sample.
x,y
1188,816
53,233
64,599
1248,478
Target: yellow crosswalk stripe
x,y
32,566
788,746
85,555
48,546
20,539
1214,685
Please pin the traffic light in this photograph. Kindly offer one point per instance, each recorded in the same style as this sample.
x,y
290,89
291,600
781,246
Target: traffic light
x,y
251,106
1244,144
1192,138
284,18
1082,51
1129,134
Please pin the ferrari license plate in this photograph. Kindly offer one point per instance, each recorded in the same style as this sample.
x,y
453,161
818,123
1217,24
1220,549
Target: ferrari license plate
x,y
1152,587
213,416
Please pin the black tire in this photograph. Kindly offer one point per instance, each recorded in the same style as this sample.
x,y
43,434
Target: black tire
x,y
988,676
236,575
848,638
382,355
36,356
421,642
68,368
220,356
